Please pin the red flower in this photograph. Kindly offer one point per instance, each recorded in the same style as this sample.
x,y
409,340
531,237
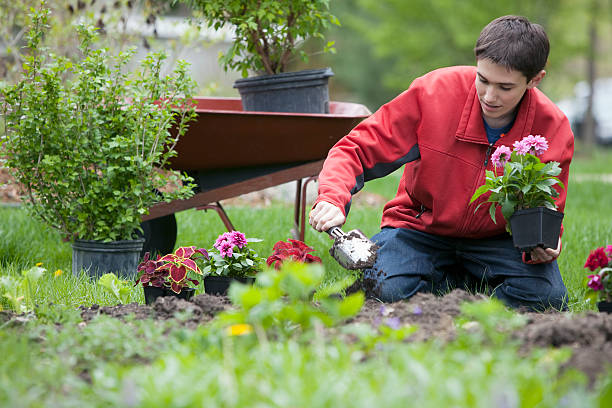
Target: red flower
x,y
595,282
597,259
293,250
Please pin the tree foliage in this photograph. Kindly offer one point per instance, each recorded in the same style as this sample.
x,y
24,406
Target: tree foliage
x,y
384,45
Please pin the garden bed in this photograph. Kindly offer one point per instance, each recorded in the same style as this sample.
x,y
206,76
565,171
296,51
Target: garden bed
x,y
589,334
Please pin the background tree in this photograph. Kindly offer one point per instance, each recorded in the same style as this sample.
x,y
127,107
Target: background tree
x,y
383,45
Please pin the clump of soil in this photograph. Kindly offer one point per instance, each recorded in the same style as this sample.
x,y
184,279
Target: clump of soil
x,y
201,309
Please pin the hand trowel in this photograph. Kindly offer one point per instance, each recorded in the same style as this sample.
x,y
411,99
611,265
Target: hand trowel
x,y
352,250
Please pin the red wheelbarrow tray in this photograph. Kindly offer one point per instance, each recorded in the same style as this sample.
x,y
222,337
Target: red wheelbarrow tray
x,y
225,138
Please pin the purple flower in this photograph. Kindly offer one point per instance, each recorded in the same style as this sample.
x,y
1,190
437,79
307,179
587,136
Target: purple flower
x,y
222,240
521,148
238,239
500,156
393,322
595,282
417,310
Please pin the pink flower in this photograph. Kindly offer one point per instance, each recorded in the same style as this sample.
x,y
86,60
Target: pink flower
x,y
226,249
595,282
222,240
609,251
521,148
537,144
597,259
500,156
238,239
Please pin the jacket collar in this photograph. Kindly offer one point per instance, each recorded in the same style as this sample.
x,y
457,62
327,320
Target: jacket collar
x,y
471,129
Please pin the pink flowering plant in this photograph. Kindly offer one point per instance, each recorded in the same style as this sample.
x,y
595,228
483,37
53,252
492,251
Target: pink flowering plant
x,y
172,271
519,179
232,256
599,263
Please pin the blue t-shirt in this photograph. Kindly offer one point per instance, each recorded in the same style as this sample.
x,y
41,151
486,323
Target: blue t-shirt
x,y
493,134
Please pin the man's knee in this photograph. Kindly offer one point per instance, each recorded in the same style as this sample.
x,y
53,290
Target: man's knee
x,y
535,296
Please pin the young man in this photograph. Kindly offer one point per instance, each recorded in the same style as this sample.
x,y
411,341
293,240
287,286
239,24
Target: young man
x,y
444,129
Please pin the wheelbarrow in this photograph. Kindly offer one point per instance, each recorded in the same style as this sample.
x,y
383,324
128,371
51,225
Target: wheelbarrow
x,y
230,152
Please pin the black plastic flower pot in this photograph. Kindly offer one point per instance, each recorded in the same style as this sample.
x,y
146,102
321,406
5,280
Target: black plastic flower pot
x,y
96,258
536,227
304,91
604,307
151,293
218,285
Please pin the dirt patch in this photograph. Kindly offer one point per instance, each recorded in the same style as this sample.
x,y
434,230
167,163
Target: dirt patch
x,y
201,309
589,335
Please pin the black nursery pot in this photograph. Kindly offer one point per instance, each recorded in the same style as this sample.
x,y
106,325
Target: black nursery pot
x,y
604,307
151,293
302,91
533,227
218,285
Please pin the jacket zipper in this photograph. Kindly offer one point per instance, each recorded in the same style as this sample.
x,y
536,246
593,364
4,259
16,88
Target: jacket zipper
x,y
487,155
470,213
423,208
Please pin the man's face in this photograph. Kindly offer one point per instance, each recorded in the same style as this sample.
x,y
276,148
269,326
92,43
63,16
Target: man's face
x,y
500,90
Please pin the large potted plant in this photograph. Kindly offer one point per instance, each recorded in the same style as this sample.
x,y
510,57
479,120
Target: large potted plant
x,y
267,35
88,143
523,188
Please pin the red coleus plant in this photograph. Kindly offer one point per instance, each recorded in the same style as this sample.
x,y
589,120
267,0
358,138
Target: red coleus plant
x,y
170,271
292,250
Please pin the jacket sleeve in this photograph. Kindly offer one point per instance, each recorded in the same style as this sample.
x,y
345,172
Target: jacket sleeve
x,y
376,147
564,157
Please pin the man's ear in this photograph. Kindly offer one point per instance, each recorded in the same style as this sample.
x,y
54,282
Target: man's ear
x,y
535,81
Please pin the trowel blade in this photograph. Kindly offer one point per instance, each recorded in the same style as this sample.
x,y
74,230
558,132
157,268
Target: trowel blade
x,y
354,251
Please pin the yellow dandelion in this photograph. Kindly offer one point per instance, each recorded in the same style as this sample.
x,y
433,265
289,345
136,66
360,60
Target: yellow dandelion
x,y
239,329
38,263
58,273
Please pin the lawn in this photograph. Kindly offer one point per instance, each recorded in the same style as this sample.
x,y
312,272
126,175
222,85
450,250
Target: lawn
x,y
295,356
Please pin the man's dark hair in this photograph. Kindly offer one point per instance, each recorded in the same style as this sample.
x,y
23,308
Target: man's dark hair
x,y
515,43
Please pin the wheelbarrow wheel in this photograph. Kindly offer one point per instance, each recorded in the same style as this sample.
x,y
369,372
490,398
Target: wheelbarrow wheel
x,y
159,234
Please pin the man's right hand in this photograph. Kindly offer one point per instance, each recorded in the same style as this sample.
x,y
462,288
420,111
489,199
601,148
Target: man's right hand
x,y
326,215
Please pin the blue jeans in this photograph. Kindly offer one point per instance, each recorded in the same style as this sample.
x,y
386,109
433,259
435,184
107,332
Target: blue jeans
x,y
412,261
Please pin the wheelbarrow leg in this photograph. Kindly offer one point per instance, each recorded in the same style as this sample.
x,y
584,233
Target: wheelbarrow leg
x,y
299,230
222,214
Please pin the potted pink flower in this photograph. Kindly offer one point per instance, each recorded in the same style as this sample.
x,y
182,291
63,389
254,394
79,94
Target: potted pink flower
x,y
599,262
523,187
231,259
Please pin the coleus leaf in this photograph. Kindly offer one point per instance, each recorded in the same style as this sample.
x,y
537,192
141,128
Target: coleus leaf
x,y
178,273
190,264
176,288
168,258
185,252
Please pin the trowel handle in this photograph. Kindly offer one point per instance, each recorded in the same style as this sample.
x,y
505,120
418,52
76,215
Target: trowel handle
x,y
335,232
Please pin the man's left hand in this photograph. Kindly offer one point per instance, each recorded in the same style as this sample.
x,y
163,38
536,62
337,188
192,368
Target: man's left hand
x,y
544,255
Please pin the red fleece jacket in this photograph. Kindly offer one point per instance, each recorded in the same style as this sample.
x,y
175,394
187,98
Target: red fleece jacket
x,y
436,129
